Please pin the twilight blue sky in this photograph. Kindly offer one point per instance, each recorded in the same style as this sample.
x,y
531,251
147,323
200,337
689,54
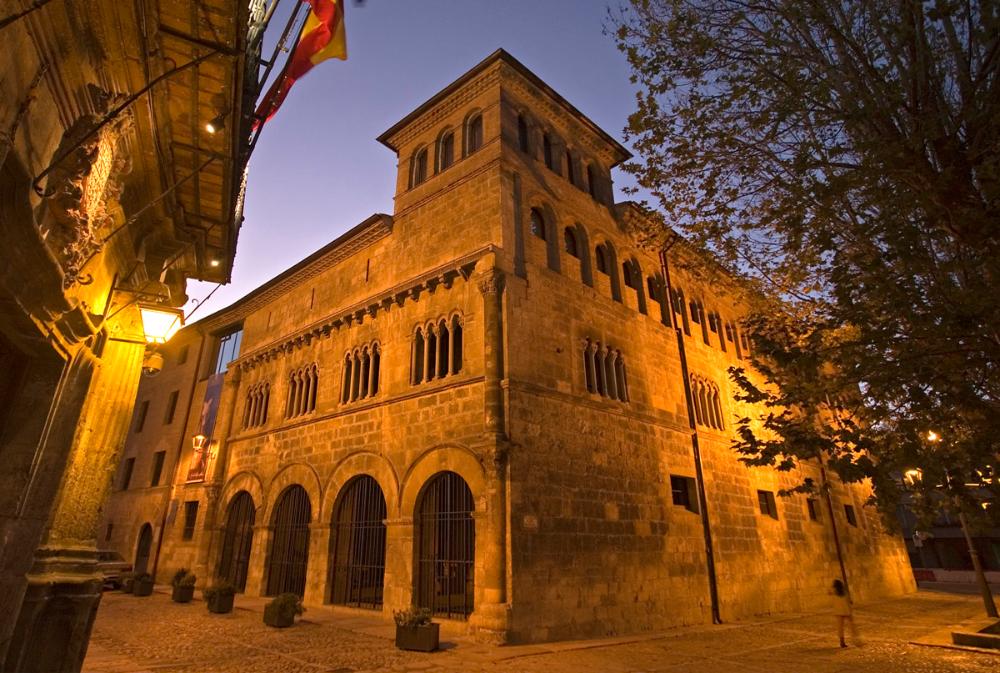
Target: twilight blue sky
x,y
317,169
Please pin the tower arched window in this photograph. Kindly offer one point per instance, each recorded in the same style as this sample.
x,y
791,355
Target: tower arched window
x,y
570,172
570,243
473,134
418,167
592,181
601,259
446,150
537,223
628,275
302,389
604,371
523,143
361,373
547,151
255,411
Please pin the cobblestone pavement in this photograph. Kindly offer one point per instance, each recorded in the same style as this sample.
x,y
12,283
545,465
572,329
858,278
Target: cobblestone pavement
x,y
154,635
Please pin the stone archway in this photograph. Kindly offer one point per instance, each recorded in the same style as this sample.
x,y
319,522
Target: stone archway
x,y
142,550
286,567
446,547
357,545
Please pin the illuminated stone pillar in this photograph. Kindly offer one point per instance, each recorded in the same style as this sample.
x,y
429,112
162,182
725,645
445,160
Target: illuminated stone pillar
x,y
398,580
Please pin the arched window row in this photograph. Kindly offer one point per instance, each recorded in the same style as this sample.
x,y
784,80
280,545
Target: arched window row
x,y
604,371
436,350
362,367
693,311
444,151
255,409
707,403
302,385
566,163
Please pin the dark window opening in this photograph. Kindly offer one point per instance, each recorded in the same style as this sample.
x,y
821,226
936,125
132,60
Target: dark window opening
x,y
767,504
446,151
851,517
522,134
182,355
601,257
682,490
140,417
190,518
418,168
158,458
569,242
537,223
474,134
107,532
547,151
127,473
813,507
168,417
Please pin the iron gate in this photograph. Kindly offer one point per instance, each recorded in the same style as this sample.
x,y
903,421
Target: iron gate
x,y
357,545
237,540
446,561
286,570
141,564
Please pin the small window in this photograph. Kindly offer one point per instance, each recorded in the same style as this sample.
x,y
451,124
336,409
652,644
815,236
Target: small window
x,y
547,151
682,490
190,518
767,504
812,506
474,134
651,288
522,135
592,181
158,457
229,349
446,151
695,313
127,473
418,168
182,355
629,277
140,416
108,531
601,256
569,242
570,172
537,223
168,417
851,517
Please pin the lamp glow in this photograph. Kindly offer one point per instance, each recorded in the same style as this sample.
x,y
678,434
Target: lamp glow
x,y
214,262
933,436
198,442
159,323
216,124
912,476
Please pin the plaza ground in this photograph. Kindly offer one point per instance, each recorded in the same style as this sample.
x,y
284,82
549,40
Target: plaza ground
x,y
133,635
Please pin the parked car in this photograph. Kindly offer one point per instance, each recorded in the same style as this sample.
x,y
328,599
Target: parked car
x,y
112,566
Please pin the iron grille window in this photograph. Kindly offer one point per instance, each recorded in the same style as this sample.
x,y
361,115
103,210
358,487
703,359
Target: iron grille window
x,y
168,417
436,350
140,417
707,403
289,553
158,457
813,508
302,385
237,540
682,490
229,349
357,546
362,367
851,517
127,473
604,371
190,518
255,408
767,504
447,546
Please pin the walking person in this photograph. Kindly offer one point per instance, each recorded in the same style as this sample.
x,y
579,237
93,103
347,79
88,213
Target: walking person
x,y
843,612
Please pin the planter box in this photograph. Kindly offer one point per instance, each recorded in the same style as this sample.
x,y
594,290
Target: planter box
x,y
422,638
278,619
183,594
142,588
220,605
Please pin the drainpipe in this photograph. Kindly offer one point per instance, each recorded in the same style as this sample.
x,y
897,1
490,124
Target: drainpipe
x,y
713,587
180,452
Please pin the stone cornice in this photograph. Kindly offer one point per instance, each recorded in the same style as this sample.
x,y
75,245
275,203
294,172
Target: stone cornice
x,y
441,276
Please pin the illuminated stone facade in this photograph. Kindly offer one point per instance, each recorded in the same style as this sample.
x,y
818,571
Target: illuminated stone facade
x,y
478,405
88,231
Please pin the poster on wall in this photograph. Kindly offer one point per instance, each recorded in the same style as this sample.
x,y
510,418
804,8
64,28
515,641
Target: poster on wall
x,y
206,426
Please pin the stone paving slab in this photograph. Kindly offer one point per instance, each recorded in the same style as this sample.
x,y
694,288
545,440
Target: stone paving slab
x,y
154,635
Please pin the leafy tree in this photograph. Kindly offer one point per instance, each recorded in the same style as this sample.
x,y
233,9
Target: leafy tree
x,y
842,158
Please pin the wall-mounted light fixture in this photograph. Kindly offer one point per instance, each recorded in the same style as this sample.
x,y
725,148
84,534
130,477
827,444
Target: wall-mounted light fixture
x,y
217,123
159,323
198,442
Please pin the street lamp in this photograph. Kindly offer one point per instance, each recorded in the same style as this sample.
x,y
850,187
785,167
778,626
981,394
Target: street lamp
x,y
984,587
159,323
198,442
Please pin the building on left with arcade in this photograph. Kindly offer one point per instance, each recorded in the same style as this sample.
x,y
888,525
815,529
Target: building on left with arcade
x,y
123,147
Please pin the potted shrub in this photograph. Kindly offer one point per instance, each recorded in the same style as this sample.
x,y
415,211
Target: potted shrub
x,y
281,611
127,580
183,584
142,585
415,630
219,597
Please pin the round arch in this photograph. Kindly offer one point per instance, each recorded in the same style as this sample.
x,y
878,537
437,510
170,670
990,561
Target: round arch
x,y
242,481
447,458
354,465
296,473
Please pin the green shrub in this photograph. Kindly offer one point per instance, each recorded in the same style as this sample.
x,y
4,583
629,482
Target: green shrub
x,y
286,605
220,588
412,616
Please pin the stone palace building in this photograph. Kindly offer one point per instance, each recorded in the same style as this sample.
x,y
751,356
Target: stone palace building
x,y
479,404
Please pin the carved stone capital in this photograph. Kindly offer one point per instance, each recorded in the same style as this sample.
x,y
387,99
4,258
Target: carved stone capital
x,y
491,282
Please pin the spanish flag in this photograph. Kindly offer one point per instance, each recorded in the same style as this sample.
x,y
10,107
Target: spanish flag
x,y
322,37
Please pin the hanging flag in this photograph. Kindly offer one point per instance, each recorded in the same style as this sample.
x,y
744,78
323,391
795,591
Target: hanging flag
x,y
322,37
